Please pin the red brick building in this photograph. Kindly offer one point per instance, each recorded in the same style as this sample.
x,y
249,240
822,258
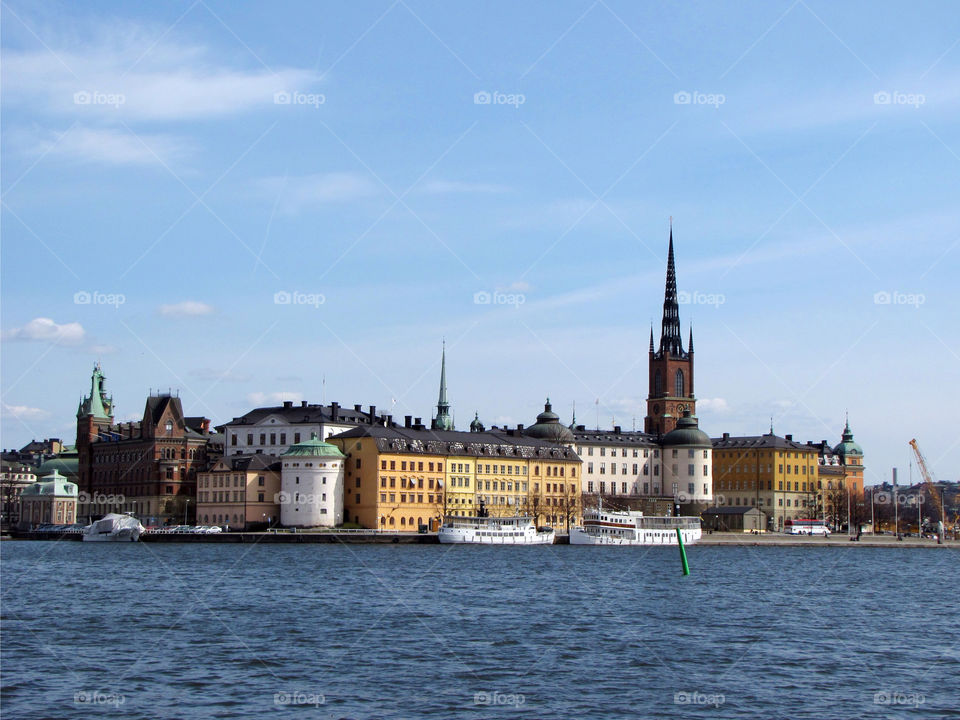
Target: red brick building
x,y
148,467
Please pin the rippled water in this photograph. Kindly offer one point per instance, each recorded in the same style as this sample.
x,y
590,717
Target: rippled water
x,y
240,631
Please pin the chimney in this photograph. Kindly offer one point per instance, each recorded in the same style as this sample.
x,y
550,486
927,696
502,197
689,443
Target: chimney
x,y
373,414
519,427
288,403
418,422
303,403
334,411
357,408
407,420
616,429
789,437
726,436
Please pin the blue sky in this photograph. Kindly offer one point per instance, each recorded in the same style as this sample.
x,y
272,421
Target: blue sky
x,y
180,164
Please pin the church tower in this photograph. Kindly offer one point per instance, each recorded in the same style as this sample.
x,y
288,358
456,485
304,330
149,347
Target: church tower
x,y
443,420
94,416
671,367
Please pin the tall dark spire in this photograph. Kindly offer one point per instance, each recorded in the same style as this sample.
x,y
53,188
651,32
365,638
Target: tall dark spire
x,y
670,340
443,420
651,337
690,341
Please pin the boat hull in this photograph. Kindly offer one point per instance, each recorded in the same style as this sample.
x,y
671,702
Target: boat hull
x,y
580,536
464,536
125,535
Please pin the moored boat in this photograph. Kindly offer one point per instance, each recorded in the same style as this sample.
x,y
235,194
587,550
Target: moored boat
x,y
632,527
519,530
113,528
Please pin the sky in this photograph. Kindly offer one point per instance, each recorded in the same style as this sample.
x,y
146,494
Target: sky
x,y
254,202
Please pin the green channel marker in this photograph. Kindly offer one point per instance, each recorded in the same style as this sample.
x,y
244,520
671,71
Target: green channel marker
x,y
683,554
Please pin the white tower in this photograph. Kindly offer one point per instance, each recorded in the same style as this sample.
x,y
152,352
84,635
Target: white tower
x,y
311,485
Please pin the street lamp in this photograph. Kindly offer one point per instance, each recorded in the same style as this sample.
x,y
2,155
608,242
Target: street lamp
x,y
185,506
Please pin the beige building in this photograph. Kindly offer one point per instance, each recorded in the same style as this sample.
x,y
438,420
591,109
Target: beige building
x,y
53,499
240,492
14,477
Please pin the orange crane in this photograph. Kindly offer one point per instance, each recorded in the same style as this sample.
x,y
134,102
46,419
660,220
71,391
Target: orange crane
x,y
928,480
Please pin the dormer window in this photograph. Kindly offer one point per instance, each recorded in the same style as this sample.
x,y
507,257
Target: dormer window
x,y
169,427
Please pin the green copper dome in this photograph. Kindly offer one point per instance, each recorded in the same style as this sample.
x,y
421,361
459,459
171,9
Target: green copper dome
x,y
848,446
687,432
314,447
548,426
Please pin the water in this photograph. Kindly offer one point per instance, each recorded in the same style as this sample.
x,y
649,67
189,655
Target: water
x,y
254,631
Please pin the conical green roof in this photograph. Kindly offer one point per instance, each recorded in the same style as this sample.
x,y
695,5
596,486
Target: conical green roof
x,y
314,447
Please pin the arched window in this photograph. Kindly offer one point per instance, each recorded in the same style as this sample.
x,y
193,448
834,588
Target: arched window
x,y
391,521
411,523
657,383
679,384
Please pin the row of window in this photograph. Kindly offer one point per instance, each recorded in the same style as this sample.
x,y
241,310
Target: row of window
x,y
410,497
263,438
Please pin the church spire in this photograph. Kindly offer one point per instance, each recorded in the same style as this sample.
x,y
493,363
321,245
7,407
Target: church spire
x,y
651,337
690,342
443,420
670,340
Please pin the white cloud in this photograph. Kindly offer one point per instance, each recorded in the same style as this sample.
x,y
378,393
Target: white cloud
x,y
172,80
24,412
104,146
308,191
187,308
444,187
46,329
273,398
715,405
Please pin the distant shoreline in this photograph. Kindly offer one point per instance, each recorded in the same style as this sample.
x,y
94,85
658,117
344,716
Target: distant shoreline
x,y
375,538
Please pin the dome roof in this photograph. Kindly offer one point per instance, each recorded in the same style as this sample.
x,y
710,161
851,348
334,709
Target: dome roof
x,y
687,432
53,484
314,447
67,464
548,426
476,425
848,446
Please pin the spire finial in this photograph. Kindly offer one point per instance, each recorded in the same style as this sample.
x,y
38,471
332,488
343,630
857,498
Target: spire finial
x,y
771,424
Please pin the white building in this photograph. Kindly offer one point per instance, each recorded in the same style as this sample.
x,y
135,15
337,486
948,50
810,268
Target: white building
x,y
629,463
272,430
311,485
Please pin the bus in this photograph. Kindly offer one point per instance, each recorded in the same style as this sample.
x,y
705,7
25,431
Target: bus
x,y
806,527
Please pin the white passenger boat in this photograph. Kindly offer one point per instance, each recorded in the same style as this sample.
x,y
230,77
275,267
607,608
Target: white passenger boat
x,y
113,528
518,530
608,527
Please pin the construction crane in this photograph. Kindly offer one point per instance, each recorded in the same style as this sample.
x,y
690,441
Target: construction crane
x,y
928,481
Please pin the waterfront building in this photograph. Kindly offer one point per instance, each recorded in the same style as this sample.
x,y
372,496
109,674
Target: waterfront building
x,y
408,478
52,499
312,485
687,454
840,476
239,492
775,474
14,477
272,430
670,381
148,467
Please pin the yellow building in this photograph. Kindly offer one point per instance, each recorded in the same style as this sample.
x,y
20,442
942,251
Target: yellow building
x,y
775,474
240,492
408,478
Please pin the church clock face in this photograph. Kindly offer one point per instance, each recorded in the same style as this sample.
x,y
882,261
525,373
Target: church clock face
x,y
656,409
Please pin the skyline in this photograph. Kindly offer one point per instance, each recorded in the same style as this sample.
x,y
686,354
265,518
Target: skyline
x,y
403,194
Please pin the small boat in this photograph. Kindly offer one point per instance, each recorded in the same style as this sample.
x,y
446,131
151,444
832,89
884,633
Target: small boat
x,y
632,527
113,528
518,530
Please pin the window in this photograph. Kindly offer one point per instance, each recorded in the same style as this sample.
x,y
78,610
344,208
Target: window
x,y
690,488
296,437
283,438
589,486
249,438
658,383
678,384
691,470
260,481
